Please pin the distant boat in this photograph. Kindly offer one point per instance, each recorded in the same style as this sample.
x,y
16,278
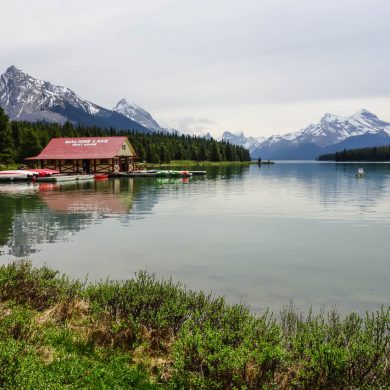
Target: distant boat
x,y
360,172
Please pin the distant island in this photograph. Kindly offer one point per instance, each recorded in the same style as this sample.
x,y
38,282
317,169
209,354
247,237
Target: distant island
x,y
374,154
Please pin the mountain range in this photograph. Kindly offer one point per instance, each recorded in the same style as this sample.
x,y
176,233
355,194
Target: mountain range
x,y
24,97
332,133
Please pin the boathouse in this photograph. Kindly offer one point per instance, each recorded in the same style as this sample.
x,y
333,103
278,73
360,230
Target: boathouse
x,y
87,155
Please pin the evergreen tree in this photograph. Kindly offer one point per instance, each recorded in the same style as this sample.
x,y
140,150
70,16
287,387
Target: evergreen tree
x,y
7,148
215,154
30,145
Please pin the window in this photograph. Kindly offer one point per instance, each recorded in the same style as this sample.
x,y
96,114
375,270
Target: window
x,y
124,147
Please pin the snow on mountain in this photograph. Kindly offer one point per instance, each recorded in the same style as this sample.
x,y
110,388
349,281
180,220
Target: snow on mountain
x,y
361,128
138,114
25,98
201,134
332,129
172,131
240,139
23,95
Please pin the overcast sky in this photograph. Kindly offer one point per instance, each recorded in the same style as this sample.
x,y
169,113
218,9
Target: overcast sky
x,y
261,67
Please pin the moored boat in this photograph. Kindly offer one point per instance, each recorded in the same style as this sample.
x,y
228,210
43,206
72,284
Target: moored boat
x,y
57,178
101,176
16,174
85,177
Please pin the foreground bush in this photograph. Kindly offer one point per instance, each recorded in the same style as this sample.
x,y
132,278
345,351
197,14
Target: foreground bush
x,y
146,333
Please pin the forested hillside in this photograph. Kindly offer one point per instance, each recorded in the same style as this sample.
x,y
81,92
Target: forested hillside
x,y
19,140
377,153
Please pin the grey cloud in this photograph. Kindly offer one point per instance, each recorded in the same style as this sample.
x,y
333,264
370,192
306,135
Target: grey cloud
x,y
186,57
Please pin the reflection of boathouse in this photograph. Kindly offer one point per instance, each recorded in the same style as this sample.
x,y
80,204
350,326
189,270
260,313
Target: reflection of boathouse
x,y
87,155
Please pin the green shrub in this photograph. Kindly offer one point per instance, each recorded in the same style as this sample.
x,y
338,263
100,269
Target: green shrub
x,y
38,287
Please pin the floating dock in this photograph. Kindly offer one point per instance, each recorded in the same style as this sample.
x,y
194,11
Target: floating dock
x,y
159,173
63,178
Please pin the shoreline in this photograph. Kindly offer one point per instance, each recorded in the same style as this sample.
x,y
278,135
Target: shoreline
x,y
158,334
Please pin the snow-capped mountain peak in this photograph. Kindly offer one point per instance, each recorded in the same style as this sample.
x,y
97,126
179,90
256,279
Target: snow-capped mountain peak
x,y
332,128
27,98
136,113
238,138
360,129
24,97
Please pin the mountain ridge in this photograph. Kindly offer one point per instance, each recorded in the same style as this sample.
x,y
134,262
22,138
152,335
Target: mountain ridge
x,y
24,97
331,133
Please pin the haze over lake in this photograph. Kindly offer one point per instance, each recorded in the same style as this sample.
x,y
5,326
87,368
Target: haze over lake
x,y
307,232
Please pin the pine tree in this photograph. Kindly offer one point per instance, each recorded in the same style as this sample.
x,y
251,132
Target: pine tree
x,y
30,145
7,149
215,154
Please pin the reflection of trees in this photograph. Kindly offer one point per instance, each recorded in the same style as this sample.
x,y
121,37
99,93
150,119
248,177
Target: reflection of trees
x,y
226,171
11,205
54,212
30,229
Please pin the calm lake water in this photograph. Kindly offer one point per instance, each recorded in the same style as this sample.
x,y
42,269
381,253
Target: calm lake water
x,y
311,233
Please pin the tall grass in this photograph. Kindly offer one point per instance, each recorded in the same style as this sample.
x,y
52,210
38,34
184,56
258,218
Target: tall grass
x,y
150,333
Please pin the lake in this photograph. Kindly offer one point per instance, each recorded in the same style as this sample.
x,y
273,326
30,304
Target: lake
x,y
306,232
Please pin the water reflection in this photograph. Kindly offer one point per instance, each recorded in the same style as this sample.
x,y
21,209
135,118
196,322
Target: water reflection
x,y
264,235
49,212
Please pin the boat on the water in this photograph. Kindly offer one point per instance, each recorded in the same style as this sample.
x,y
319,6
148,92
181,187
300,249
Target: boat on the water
x,y
360,172
59,178
16,174
101,176
85,177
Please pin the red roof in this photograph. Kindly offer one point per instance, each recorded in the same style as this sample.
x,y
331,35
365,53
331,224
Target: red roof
x,y
81,148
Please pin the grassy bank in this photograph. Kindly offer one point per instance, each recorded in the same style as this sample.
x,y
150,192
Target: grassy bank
x,y
147,334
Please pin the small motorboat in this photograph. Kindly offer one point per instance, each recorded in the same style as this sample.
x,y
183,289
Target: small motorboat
x,y
17,174
360,172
